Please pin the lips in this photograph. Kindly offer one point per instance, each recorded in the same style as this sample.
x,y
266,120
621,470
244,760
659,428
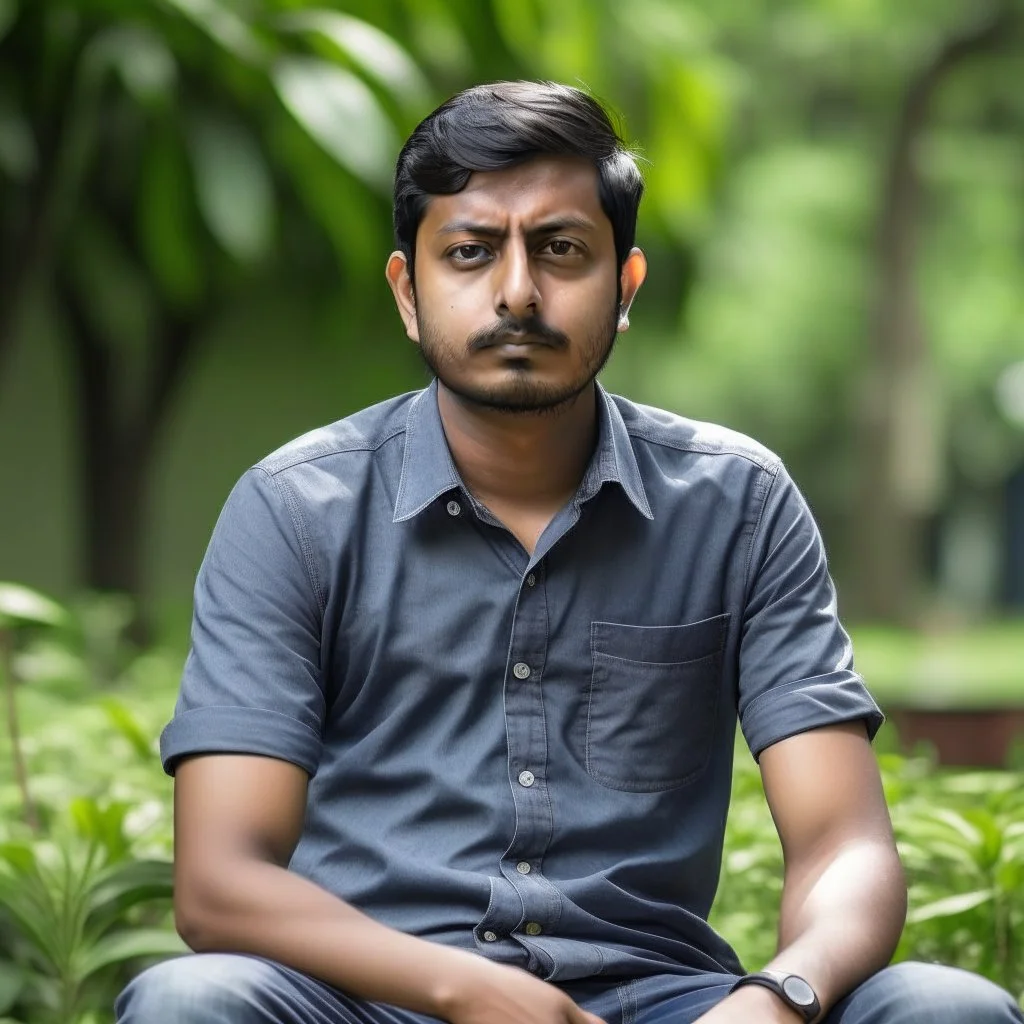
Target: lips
x,y
518,343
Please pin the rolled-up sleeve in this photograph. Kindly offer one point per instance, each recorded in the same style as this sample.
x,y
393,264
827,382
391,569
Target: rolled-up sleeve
x,y
796,660
252,681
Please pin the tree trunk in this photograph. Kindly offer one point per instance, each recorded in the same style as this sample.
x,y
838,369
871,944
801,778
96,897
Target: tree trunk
x,y
117,445
900,447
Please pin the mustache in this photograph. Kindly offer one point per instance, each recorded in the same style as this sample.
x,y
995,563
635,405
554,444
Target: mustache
x,y
516,329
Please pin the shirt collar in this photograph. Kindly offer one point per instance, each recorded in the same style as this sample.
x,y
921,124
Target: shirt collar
x,y
428,470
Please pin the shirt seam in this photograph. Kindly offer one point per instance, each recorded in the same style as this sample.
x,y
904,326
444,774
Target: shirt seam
x,y
246,708
706,448
305,546
366,446
773,477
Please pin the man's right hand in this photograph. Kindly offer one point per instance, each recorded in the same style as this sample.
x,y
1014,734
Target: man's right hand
x,y
483,992
237,820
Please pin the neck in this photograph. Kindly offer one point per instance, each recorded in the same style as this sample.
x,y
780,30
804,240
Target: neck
x,y
525,460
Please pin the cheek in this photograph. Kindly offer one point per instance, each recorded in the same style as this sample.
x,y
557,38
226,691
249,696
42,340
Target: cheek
x,y
458,309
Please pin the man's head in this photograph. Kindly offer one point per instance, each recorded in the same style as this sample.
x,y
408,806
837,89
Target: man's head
x,y
515,216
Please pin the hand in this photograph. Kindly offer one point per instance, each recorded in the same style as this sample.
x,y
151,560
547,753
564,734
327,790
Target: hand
x,y
751,1004
484,992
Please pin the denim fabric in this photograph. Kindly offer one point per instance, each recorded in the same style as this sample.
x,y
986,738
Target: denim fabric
x,y
225,989
526,756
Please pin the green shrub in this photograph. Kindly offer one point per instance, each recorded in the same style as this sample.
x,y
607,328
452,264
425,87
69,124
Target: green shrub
x,y
961,838
85,879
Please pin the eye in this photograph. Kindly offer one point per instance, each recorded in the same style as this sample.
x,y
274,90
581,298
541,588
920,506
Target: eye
x,y
469,252
561,247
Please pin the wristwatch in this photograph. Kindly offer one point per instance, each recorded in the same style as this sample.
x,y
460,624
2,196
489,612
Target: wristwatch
x,y
790,988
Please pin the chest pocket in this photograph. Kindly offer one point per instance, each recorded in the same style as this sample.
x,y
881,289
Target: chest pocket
x,y
653,703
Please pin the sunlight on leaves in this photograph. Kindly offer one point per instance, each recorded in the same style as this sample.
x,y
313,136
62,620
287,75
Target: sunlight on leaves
x,y
233,187
368,48
342,114
21,606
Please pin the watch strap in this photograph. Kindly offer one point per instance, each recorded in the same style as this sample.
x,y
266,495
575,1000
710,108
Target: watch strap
x,y
775,981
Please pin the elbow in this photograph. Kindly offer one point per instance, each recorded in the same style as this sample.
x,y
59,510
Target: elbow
x,y
198,912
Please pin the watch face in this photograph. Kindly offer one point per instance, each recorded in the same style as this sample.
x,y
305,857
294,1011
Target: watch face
x,y
798,991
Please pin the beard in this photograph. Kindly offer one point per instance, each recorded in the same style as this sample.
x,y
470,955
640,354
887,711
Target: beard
x,y
519,391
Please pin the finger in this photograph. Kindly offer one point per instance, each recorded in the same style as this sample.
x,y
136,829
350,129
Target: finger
x,y
580,1016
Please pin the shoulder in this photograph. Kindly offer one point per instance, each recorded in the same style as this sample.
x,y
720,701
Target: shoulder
x,y
366,431
659,429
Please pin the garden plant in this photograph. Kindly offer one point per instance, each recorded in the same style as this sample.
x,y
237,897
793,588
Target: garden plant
x,y
85,829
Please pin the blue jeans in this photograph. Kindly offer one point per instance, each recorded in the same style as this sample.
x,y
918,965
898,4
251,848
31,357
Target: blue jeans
x,y
218,988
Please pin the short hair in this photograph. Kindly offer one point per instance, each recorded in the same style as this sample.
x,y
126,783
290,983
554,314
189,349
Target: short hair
x,y
498,125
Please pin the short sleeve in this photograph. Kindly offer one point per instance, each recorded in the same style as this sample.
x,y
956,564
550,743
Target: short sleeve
x,y
252,679
796,661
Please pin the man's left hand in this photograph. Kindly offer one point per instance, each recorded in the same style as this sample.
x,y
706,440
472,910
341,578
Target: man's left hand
x,y
751,1004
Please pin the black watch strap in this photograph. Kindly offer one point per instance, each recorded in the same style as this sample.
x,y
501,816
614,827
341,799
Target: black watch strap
x,y
790,988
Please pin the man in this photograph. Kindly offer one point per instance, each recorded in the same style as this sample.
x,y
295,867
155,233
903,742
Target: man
x,y
456,730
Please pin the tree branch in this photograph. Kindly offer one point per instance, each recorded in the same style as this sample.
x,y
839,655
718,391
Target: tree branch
x,y
29,250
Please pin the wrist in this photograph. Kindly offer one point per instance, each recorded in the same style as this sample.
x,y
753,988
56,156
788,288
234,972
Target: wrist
x,y
763,1005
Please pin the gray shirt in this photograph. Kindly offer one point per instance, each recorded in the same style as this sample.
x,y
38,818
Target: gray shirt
x,y
525,756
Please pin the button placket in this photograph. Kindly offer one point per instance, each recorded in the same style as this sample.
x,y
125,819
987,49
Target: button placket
x,y
523,861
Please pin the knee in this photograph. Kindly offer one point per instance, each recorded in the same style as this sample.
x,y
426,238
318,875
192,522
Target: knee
x,y
918,993
206,988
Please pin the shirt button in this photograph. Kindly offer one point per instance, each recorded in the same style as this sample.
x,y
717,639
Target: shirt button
x,y
531,580
523,867
490,937
526,778
532,928
454,508
521,670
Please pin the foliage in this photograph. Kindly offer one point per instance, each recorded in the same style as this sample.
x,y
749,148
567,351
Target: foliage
x,y
961,839
83,904
69,916
85,875
964,666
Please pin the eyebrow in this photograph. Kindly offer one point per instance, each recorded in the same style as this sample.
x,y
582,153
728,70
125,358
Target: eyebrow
x,y
472,227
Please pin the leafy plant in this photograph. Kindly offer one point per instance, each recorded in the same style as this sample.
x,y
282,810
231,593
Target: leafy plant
x,y
69,916
961,838
20,608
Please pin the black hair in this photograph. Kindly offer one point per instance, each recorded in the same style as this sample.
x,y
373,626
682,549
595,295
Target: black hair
x,y
495,126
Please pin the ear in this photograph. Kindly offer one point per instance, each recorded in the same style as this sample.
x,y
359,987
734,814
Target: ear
x,y
400,280
632,275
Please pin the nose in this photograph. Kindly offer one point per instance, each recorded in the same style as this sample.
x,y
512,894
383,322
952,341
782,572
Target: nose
x,y
516,292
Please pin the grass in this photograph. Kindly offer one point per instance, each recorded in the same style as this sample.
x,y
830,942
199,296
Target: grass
x,y
976,667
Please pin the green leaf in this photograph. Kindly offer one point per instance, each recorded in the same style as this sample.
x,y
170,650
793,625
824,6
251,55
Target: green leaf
x,y
129,945
341,113
370,49
950,906
142,60
125,885
233,186
21,606
223,26
166,219
128,726
103,827
12,981
21,857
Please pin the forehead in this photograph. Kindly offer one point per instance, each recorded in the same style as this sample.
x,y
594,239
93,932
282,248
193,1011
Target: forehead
x,y
532,192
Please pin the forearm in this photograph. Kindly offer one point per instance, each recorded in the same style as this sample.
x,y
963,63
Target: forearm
x,y
259,908
841,916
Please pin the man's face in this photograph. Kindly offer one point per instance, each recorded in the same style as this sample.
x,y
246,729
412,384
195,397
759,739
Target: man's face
x,y
515,304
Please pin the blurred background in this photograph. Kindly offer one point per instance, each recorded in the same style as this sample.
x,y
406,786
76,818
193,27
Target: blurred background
x,y
194,220
195,215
